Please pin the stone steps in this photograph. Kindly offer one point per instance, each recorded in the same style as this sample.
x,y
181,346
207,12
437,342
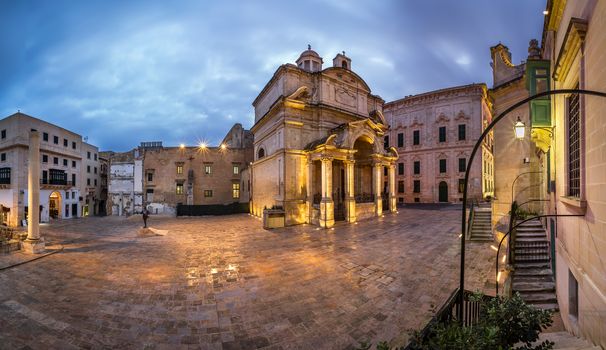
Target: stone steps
x,y
565,341
481,227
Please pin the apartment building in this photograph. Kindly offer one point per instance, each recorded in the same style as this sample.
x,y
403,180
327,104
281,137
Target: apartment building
x,y
63,190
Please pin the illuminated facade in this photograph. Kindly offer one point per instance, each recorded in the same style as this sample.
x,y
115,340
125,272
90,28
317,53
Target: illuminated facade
x,y
318,142
434,134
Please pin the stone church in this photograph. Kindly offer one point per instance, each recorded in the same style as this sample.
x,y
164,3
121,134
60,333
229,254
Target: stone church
x,y
318,143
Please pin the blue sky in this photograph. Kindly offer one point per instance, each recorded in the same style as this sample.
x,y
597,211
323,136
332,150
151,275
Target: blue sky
x,y
122,72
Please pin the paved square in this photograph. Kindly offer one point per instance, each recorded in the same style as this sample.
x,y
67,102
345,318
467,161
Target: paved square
x,y
226,283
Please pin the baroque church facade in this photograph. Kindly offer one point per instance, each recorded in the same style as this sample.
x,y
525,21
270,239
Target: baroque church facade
x,y
319,155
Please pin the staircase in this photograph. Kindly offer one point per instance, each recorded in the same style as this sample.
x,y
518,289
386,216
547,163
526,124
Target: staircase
x,y
481,227
565,340
532,276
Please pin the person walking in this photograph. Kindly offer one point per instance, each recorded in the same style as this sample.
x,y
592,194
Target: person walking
x,y
145,216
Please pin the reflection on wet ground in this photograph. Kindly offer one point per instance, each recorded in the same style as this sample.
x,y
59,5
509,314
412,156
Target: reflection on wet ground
x,y
225,283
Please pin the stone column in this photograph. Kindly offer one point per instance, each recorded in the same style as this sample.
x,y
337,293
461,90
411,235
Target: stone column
x,y
350,200
377,179
310,190
33,244
327,206
392,188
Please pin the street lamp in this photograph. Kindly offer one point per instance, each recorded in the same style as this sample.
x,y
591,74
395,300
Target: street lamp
x,y
519,129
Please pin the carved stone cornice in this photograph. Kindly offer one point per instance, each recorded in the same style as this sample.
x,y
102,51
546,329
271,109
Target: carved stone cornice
x,y
573,40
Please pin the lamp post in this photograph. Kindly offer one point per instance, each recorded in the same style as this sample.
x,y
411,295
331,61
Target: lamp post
x,y
468,170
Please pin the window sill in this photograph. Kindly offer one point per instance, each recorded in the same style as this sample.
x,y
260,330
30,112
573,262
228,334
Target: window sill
x,y
574,202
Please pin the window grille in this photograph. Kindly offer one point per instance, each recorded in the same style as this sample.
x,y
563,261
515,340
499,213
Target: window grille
x,y
574,147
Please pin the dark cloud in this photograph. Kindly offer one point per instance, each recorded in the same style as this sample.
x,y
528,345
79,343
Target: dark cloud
x,y
124,72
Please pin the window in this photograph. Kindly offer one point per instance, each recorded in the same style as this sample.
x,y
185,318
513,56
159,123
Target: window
x,y
417,167
65,162
236,169
260,153
415,137
179,189
73,180
462,165
442,165
541,79
461,185
442,134
400,168
208,169
4,133
73,145
401,140
65,143
208,193
235,190
574,146
88,182
386,141
88,168
400,186
461,132
3,157
95,170
150,177
417,186
67,195
56,140
55,160
73,163
573,295
95,182
95,156
44,158
179,169
45,136
87,155
150,194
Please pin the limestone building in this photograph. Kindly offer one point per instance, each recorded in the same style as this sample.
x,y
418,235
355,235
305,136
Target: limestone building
x,y
198,175
518,174
125,185
318,143
574,46
434,134
64,190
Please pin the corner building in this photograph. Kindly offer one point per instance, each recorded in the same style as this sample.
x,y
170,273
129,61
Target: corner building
x,y
434,134
318,143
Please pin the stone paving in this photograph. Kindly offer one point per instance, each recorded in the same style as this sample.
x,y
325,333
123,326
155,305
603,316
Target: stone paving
x,y
226,283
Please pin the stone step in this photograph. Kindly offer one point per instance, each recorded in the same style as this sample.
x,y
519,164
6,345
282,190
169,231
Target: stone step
x,y
530,239
532,272
539,298
531,265
531,234
532,279
524,257
565,340
537,244
547,306
533,287
530,226
531,251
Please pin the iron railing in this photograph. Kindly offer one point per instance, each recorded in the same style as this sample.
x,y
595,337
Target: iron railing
x,y
470,311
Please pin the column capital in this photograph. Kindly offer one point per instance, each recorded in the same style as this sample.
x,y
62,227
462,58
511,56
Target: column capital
x,y
348,161
326,158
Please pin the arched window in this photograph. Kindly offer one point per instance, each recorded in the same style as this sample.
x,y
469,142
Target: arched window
x,y
344,64
260,153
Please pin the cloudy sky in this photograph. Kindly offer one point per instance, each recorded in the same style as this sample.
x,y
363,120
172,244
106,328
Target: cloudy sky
x,y
122,72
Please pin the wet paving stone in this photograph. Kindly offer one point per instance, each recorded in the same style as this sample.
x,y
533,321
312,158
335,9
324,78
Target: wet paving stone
x,y
226,283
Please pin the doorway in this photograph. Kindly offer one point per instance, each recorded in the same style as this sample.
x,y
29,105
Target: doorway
x,y
443,191
54,205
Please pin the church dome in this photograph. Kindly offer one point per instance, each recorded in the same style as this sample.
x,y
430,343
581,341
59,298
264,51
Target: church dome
x,y
309,60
